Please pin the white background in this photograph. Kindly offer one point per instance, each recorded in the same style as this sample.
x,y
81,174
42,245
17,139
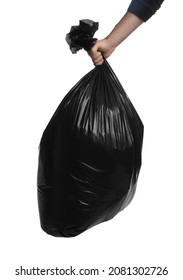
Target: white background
x,y
37,70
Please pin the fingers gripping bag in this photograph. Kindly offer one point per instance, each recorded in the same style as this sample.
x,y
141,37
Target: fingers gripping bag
x,y
90,151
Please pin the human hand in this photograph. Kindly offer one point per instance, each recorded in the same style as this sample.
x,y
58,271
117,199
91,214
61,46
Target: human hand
x,y
101,50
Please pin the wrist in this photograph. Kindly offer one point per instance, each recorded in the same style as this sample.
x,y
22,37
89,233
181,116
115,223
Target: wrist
x,y
110,42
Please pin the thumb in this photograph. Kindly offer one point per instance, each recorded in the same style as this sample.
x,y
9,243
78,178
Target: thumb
x,y
94,53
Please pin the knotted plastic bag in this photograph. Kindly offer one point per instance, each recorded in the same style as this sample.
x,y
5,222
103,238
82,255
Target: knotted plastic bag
x,y
90,151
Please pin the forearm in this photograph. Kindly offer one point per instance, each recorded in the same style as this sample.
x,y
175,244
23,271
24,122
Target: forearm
x,y
123,29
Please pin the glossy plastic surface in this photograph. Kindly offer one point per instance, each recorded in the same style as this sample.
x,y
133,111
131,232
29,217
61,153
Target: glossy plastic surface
x,y
89,155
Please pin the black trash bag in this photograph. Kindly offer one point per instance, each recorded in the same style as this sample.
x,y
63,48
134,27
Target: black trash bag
x,y
89,154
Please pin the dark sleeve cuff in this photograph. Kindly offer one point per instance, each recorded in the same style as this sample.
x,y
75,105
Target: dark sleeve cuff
x,y
143,9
